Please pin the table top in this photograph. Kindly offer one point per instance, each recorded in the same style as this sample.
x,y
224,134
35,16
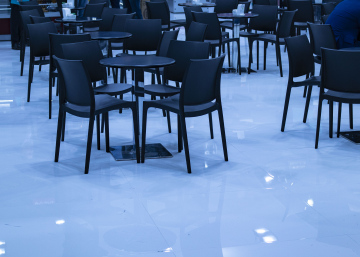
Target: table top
x,y
232,16
198,4
78,20
137,61
107,35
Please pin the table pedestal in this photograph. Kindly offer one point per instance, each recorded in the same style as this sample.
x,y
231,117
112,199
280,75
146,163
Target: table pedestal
x,y
353,136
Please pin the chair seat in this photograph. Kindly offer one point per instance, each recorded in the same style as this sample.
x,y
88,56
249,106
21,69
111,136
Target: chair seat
x,y
103,103
249,34
301,24
113,89
229,25
182,22
342,96
170,26
122,54
224,41
172,104
153,70
224,34
270,38
117,45
161,90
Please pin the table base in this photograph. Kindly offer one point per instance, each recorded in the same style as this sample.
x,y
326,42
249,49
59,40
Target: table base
x,y
233,70
127,152
353,136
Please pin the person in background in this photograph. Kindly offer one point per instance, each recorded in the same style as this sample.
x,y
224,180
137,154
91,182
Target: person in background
x,y
115,4
81,3
135,7
15,24
345,23
126,4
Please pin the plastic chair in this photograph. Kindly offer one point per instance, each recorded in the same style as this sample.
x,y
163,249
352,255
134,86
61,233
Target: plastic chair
x,y
32,7
39,47
327,8
56,40
38,19
196,32
339,77
199,95
24,38
283,31
77,98
160,10
93,10
225,6
304,14
301,63
214,36
107,17
189,16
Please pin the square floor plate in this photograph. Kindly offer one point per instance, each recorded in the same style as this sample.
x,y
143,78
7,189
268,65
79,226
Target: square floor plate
x,y
127,152
353,136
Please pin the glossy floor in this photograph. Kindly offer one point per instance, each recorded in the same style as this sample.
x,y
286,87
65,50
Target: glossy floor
x,y
276,196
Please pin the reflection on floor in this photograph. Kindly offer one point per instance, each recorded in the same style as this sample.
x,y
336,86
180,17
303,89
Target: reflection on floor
x,y
277,195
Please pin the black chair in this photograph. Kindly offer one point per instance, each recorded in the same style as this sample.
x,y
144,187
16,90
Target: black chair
x,y
93,10
199,95
38,19
107,17
304,14
118,24
56,40
77,98
321,35
33,7
160,10
24,38
196,32
182,52
225,6
324,18
339,77
188,15
327,8
39,47
301,63
214,36
265,2
243,21
283,31
265,23
106,2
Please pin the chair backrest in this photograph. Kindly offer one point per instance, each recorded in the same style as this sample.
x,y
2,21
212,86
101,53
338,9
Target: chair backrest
x,y
106,2
159,10
74,83
93,10
225,6
189,16
339,70
285,24
107,17
146,34
301,59
119,21
90,53
25,20
213,31
166,37
201,83
261,2
32,7
324,18
305,10
182,52
56,40
38,19
196,32
267,19
321,35
39,38
327,8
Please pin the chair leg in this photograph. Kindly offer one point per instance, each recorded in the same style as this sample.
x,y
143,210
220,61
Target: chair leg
x,y
50,94
107,137
63,127
239,56
163,111
250,54
339,121
158,76
286,106
186,145
228,51
22,56
304,94
180,144
152,78
257,54
98,131
265,50
89,142
211,126
351,120
318,123
222,130
102,123
58,134
144,119
331,110
279,56
168,121
307,104
30,78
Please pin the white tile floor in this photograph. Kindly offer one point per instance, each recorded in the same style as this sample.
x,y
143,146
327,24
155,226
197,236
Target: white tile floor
x,y
277,195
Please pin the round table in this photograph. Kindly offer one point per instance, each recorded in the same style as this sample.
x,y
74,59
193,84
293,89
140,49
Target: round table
x,y
108,35
78,21
138,63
